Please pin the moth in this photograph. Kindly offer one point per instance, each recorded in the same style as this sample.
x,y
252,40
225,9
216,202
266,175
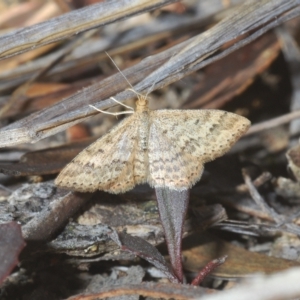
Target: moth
x,y
164,148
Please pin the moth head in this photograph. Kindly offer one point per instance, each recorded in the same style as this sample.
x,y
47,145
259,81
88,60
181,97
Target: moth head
x,y
141,103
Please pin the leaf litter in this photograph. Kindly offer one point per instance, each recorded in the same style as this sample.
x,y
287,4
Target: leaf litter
x,y
267,225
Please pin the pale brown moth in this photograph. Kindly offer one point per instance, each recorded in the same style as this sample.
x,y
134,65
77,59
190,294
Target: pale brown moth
x,y
164,148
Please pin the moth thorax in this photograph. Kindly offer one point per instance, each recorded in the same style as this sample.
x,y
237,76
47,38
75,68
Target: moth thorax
x,y
144,130
141,104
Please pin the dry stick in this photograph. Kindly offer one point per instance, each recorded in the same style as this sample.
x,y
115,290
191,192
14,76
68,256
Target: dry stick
x,y
274,122
259,181
259,199
72,23
281,221
60,55
54,216
291,54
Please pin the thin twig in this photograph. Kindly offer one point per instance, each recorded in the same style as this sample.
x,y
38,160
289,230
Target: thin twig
x,y
259,181
19,95
274,122
259,200
281,221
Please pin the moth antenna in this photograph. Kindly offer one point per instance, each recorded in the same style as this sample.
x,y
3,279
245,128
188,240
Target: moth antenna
x,y
119,70
129,107
137,93
141,97
112,113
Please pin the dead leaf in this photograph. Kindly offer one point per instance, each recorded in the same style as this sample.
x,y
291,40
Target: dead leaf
x,y
11,244
198,250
